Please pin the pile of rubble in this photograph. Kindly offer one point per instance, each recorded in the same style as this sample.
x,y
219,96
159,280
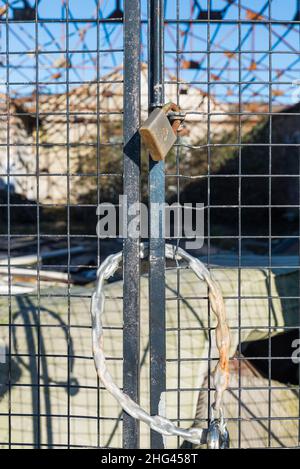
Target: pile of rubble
x,y
56,136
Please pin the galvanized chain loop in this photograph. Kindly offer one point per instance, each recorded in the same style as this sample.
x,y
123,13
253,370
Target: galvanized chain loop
x,y
221,373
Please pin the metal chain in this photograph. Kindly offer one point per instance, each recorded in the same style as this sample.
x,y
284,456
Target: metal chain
x,y
220,374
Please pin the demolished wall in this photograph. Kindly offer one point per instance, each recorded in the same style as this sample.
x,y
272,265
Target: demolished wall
x,y
79,135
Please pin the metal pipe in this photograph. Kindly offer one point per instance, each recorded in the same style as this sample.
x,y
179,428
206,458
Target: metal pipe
x,y
131,270
156,222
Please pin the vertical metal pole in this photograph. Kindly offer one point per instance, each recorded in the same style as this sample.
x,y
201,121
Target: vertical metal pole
x,y
131,269
156,222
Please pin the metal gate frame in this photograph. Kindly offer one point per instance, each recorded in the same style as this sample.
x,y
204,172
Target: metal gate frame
x,y
132,25
132,70
156,195
131,253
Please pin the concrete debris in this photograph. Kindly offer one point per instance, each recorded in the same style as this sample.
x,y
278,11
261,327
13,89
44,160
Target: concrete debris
x,y
67,133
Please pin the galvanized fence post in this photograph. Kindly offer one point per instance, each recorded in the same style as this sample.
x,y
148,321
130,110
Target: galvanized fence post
x,y
156,222
131,172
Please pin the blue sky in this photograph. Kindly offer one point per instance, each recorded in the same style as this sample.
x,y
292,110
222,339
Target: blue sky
x,y
223,70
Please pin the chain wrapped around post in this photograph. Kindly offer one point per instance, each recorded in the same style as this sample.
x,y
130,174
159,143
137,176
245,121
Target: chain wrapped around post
x,y
216,436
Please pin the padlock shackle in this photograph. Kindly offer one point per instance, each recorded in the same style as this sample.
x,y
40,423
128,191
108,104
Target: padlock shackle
x,y
174,108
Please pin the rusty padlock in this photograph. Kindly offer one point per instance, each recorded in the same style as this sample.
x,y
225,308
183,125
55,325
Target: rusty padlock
x,y
158,134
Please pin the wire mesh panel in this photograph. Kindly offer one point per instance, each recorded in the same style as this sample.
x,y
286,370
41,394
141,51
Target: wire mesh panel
x,y
227,67
61,94
76,78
